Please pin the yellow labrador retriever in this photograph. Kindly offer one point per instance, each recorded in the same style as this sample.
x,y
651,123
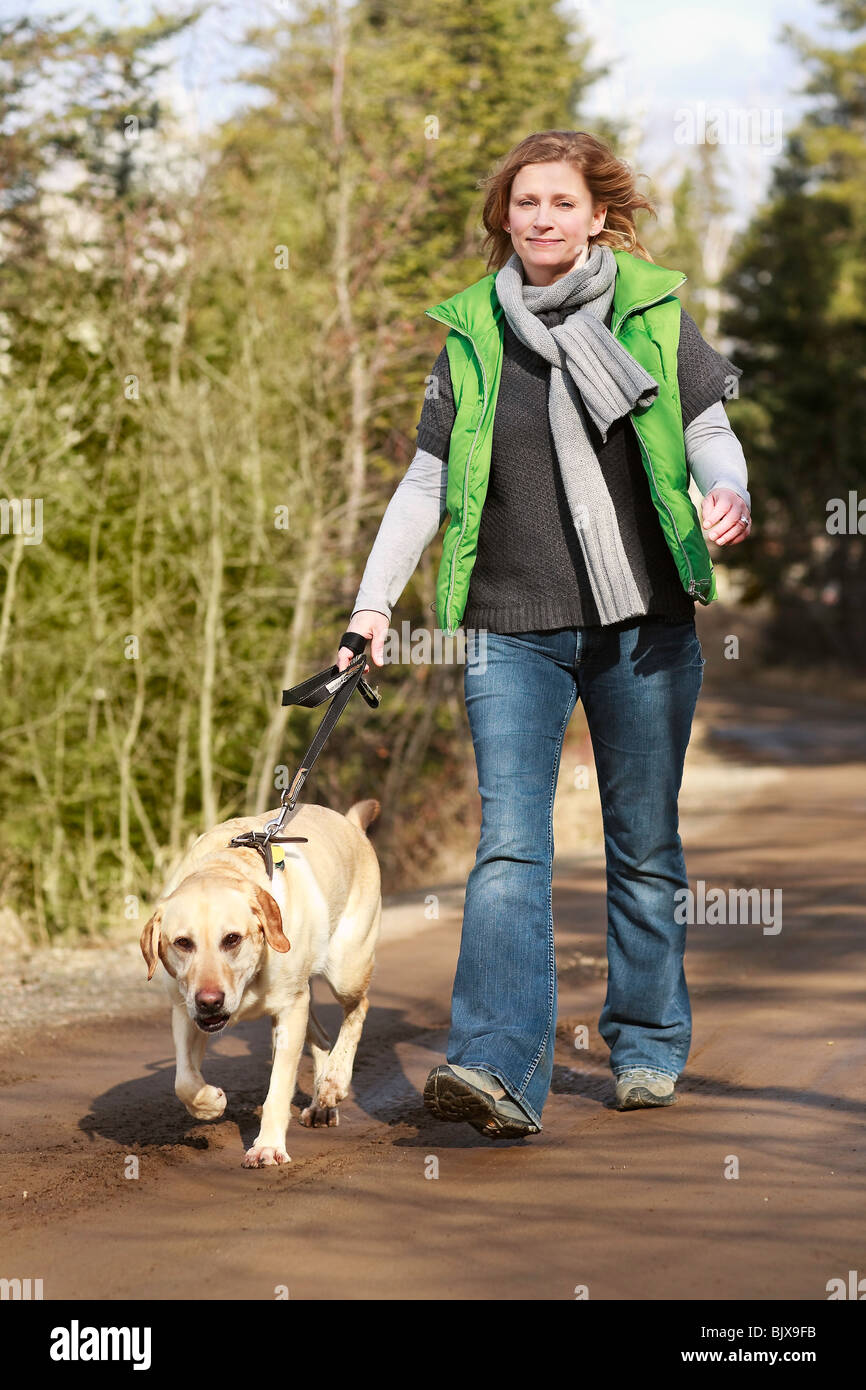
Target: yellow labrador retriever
x,y
236,945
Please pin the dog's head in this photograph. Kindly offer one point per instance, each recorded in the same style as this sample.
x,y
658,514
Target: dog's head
x,y
210,935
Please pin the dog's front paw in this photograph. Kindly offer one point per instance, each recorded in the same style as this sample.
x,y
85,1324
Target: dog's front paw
x,y
319,1115
207,1103
263,1156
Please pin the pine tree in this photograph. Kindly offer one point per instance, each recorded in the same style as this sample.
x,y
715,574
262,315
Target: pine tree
x,y
797,279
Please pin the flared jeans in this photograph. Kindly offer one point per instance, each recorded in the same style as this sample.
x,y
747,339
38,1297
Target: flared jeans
x,y
639,683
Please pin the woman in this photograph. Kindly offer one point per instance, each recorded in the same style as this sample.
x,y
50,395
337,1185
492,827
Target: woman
x,y
569,404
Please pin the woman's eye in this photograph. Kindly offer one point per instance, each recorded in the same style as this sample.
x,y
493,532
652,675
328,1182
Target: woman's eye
x,y
183,943
233,939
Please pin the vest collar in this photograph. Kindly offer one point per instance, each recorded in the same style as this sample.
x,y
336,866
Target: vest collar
x,y
473,310
638,284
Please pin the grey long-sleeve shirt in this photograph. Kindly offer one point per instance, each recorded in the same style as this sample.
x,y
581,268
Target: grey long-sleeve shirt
x,y
417,509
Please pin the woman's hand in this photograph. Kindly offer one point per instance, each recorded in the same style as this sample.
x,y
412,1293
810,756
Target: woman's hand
x,y
721,513
372,625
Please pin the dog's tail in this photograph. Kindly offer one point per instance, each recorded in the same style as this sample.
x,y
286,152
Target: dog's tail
x,y
363,812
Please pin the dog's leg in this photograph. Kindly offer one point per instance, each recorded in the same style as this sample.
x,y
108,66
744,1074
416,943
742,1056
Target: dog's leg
x,y
332,1085
320,1047
202,1101
290,1027
348,972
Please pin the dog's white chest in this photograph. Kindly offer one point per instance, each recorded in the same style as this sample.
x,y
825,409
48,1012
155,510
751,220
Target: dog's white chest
x,y
305,913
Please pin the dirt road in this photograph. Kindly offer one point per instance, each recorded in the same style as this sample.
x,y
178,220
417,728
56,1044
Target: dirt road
x,y
395,1204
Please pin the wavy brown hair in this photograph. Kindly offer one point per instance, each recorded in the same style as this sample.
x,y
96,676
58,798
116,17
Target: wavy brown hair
x,y
609,180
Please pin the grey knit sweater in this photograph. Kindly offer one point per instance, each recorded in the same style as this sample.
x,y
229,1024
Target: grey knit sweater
x,y
529,573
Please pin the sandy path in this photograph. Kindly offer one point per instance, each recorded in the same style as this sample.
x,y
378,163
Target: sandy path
x,y
631,1205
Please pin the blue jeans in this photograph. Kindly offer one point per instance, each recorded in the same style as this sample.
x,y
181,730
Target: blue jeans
x,y
639,685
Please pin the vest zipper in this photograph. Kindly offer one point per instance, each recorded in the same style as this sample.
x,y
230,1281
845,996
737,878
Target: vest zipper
x,y
633,309
646,453
466,469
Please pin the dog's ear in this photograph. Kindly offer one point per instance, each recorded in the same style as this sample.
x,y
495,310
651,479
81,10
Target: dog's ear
x,y
149,939
164,958
270,919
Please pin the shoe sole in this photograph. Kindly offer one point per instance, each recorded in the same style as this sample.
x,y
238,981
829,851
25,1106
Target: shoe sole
x,y
641,1098
448,1097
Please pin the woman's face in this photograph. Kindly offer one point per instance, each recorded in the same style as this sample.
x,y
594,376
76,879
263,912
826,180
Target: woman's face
x,y
551,218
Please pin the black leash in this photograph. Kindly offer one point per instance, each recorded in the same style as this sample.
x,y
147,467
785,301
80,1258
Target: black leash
x,y
311,692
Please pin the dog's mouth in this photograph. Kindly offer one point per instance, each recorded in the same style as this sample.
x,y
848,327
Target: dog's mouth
x,y
214,1024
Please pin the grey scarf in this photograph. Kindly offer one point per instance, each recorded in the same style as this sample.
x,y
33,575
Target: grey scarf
x,y
589,371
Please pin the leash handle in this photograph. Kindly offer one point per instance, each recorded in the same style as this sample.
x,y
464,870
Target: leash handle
x,y
354,641
312,692
340,684
350,676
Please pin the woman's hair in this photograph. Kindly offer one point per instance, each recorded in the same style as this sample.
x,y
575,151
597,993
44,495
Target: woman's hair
x,y
609,180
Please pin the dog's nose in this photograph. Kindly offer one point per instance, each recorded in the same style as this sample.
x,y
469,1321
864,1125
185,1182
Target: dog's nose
x,y
209,1001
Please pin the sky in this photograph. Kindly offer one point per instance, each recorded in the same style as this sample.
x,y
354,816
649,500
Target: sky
x,y
673,68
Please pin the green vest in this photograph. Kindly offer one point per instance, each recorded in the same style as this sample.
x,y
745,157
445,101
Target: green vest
x,y
646,320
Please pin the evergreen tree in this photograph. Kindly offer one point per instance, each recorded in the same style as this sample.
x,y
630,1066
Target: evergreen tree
x,y
797,279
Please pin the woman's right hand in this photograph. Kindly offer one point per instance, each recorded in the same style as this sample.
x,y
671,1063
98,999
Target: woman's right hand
x,y
372,625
